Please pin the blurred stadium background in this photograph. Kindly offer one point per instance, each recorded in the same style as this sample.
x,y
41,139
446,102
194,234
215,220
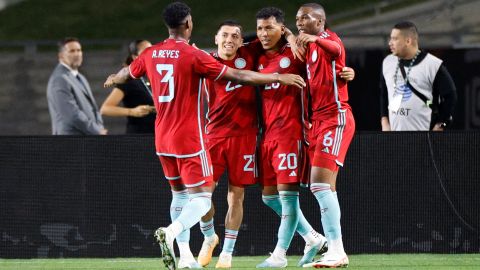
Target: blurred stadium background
x,y
102,197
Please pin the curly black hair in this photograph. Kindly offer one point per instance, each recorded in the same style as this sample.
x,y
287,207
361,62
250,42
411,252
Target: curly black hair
x,y
268,12
175,13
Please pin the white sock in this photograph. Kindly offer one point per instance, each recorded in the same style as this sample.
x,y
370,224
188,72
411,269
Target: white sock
x,y
336,246
280,252
311,237
176,227
185,251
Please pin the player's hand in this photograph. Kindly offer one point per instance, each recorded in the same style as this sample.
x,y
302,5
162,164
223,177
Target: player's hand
x,y
303,39
291,79
103,131
109,82
438,127
140,111
347,73
298,52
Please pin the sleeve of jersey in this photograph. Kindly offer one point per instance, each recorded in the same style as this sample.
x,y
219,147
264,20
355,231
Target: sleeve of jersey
x,y
331,47
137,67
205,65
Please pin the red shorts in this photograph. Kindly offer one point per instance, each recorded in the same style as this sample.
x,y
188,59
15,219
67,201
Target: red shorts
x,y
330,138
191,171
236,155
282,162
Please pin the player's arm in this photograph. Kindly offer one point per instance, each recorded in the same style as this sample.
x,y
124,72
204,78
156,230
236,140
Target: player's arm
x,y
384,105
255,78
329,46
121,77
443,84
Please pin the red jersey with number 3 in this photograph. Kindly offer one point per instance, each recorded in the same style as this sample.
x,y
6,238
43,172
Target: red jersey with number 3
x,y
283,106
328,95
175,70
232,107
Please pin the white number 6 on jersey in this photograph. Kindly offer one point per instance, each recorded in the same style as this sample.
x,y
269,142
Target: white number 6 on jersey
x,y
167,78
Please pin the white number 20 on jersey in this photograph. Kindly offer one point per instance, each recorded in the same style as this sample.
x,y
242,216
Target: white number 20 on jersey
x,y
167,78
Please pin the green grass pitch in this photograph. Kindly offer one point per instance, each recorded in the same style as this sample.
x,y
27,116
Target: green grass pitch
x,y
381,261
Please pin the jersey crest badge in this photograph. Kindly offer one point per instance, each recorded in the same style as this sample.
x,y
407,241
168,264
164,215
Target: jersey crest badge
x,y
240,63
285,62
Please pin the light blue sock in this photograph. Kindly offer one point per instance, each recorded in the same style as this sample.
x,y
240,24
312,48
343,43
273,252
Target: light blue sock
x,y
207,228
273,201
195,209
303,227
329,208
229,242
289,220
179,199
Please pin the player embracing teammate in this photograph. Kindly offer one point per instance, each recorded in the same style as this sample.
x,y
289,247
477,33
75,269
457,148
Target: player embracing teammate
x,y
333,124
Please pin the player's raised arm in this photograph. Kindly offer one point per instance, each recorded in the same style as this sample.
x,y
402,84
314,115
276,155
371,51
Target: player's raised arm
x,y
329,46
255,78
299,52
121,77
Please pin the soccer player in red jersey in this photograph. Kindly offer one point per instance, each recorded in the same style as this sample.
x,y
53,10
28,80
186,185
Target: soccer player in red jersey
x,y
175,70
231,131
282,157
333,125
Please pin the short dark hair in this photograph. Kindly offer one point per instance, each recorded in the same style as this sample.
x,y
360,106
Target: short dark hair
x,y
316,6
230,23
407,26
61,44
268,12
175,13
313,6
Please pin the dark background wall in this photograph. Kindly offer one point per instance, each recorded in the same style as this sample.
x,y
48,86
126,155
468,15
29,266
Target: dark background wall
x,y
104,197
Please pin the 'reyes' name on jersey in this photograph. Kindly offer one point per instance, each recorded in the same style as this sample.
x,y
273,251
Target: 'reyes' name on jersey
x,y
165,54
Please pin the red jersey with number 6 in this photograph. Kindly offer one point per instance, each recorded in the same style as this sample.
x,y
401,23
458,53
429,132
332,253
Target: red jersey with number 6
x,y
328,91
175,70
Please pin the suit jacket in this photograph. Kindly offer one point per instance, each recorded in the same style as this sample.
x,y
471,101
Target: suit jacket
x,y
71,104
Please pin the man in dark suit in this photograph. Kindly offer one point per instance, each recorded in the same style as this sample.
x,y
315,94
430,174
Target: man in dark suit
x,y
70,101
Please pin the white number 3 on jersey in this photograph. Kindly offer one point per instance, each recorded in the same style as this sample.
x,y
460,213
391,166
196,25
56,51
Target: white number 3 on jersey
x,y
167,78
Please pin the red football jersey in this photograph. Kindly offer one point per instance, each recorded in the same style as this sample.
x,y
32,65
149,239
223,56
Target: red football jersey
x,y
175,70
327,94
232,108
283,107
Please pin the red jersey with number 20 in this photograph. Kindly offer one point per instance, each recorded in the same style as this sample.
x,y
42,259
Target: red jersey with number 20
x,y
283,105
328,91
175,70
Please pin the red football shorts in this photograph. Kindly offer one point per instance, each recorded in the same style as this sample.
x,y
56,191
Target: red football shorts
x,y
191,171
330,138
236,155
282,162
